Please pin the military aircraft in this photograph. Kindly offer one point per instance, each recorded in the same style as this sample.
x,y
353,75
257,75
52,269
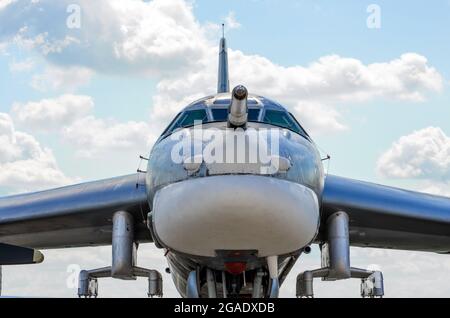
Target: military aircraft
x,y
231,228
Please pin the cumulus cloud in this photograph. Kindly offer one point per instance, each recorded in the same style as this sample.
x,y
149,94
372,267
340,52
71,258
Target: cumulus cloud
x,y
115,36
317,117
24,163
5,3
231,22
91,136
162,38
55,113
311,92
72,117
21,66
66,79
42,41
424,154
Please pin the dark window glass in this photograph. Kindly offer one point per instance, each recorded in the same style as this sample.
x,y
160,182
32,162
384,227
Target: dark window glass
x,y
220,114
253,114
282,119
272,117
171,125
189,118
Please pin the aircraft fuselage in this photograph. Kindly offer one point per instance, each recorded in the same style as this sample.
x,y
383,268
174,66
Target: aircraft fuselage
x,y
233,196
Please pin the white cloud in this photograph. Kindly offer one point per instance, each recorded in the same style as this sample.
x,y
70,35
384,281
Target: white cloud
x,y
424,154
24,164
311,92
50,114
22,66
5,3
436,188
92,136
318,118
42,42
334,78
66,79
162,38
72,117
231,22
156,37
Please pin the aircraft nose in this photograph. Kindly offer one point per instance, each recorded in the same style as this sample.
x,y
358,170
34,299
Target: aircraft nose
x,y
205,215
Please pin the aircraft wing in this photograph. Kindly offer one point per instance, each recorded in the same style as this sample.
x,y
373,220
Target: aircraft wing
x,y
73,216
386,217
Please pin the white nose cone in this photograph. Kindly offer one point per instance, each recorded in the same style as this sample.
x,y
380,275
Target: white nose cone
x,y
200,216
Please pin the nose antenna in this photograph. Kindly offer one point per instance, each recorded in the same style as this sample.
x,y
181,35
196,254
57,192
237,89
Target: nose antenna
x,y
223,84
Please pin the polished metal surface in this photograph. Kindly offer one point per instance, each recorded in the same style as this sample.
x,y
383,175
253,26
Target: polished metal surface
x,y
123,246
387,217
274,288
223,84
305,162
155,284
238,110
192,285
339,246
78,215
211,283
235,213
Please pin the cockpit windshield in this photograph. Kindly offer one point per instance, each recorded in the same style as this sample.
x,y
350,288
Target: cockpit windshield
x,y
189,118
221,114
272,117
282,119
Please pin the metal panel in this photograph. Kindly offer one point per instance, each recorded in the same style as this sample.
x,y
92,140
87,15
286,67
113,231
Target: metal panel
x,y
78,215
387,217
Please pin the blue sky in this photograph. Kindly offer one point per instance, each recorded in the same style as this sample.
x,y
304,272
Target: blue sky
x,y
100,95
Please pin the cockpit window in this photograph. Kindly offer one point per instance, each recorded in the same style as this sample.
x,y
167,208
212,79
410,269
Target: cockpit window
x,y
282,119
253,114
271,117
189,118
221,114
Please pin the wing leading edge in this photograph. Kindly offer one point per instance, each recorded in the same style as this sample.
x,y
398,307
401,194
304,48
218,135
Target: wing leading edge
x,y
73,216
386,217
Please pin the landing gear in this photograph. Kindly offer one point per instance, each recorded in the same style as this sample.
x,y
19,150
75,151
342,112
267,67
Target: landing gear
x,y
372,286
124,252
336,263
88,281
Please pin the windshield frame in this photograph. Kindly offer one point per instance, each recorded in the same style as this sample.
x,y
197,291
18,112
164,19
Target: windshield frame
x,y
210,120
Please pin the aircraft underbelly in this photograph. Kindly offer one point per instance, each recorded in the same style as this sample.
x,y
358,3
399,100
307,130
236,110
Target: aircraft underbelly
x,y
236,212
